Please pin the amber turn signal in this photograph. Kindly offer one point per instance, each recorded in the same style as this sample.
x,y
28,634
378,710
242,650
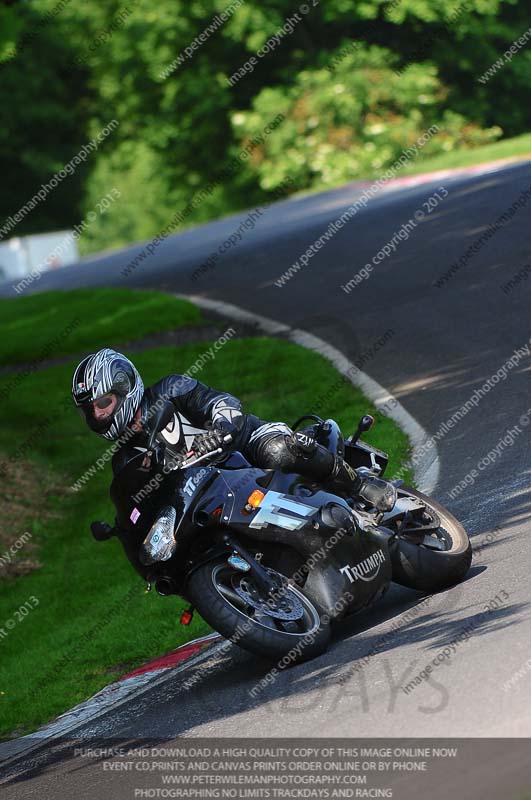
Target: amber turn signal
x,y
255,498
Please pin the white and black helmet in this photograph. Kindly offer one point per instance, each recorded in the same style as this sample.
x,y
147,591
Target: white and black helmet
x,y
102,373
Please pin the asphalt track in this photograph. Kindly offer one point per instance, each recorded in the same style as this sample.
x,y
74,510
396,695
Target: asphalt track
x,y
446,342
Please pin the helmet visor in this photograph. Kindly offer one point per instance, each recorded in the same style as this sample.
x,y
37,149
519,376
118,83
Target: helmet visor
x,y
99,414
104,402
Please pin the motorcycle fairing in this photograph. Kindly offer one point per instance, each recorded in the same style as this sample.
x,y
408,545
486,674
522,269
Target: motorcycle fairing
x,y
298,515
175,488
333,579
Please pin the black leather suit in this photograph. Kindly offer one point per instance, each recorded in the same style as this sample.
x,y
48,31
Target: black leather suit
x,y
198,409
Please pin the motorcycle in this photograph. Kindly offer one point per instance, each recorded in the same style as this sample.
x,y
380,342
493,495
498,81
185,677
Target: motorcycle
x,y
272,560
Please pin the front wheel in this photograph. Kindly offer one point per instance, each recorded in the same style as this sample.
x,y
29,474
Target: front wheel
x,y
286,625
437,564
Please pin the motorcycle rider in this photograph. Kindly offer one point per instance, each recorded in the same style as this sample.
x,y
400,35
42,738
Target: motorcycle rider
x,y
109,392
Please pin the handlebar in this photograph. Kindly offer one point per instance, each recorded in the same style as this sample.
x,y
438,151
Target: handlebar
x,y
190,460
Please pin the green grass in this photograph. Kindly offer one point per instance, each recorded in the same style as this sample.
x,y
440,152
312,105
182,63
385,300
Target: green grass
x,y
506,148
80,580
53,324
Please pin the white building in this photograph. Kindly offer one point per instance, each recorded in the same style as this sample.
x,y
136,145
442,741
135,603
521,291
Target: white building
x,y
23,256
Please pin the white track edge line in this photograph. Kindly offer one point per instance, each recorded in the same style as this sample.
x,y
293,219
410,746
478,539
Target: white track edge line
x,y
425,459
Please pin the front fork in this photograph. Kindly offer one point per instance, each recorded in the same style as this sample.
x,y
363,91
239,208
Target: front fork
x,y
261,576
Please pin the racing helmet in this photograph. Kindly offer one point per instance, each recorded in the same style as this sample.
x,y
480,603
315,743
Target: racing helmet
x,y
107,373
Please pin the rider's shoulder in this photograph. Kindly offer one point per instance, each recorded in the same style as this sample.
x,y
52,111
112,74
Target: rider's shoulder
x,y
174,386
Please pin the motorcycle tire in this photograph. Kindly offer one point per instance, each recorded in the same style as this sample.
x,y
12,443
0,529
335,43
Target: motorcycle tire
x,y
229,602
419,567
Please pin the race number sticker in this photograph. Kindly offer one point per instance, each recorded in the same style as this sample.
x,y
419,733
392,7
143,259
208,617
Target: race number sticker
x,y
278,509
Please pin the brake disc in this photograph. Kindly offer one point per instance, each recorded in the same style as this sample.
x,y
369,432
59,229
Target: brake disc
x,y
287,606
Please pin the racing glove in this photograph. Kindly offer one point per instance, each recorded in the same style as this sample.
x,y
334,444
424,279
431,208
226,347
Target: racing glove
x,y
206,442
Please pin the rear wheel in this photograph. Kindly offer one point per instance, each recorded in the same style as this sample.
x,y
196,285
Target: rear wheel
x,y
287,624
436,560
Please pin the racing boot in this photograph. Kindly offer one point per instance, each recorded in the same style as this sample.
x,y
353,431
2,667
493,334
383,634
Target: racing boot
x,y
318,463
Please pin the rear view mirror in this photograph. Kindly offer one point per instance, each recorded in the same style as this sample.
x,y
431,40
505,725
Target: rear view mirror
x,y
160,420
365,424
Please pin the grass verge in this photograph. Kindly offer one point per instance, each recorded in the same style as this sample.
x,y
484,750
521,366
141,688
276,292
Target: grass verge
x,y
52,324
93,620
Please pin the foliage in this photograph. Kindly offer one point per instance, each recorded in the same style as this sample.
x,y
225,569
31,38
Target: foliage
x,y
357,81
354,122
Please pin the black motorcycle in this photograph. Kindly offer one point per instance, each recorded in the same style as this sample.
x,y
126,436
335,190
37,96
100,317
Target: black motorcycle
x,y
271,560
